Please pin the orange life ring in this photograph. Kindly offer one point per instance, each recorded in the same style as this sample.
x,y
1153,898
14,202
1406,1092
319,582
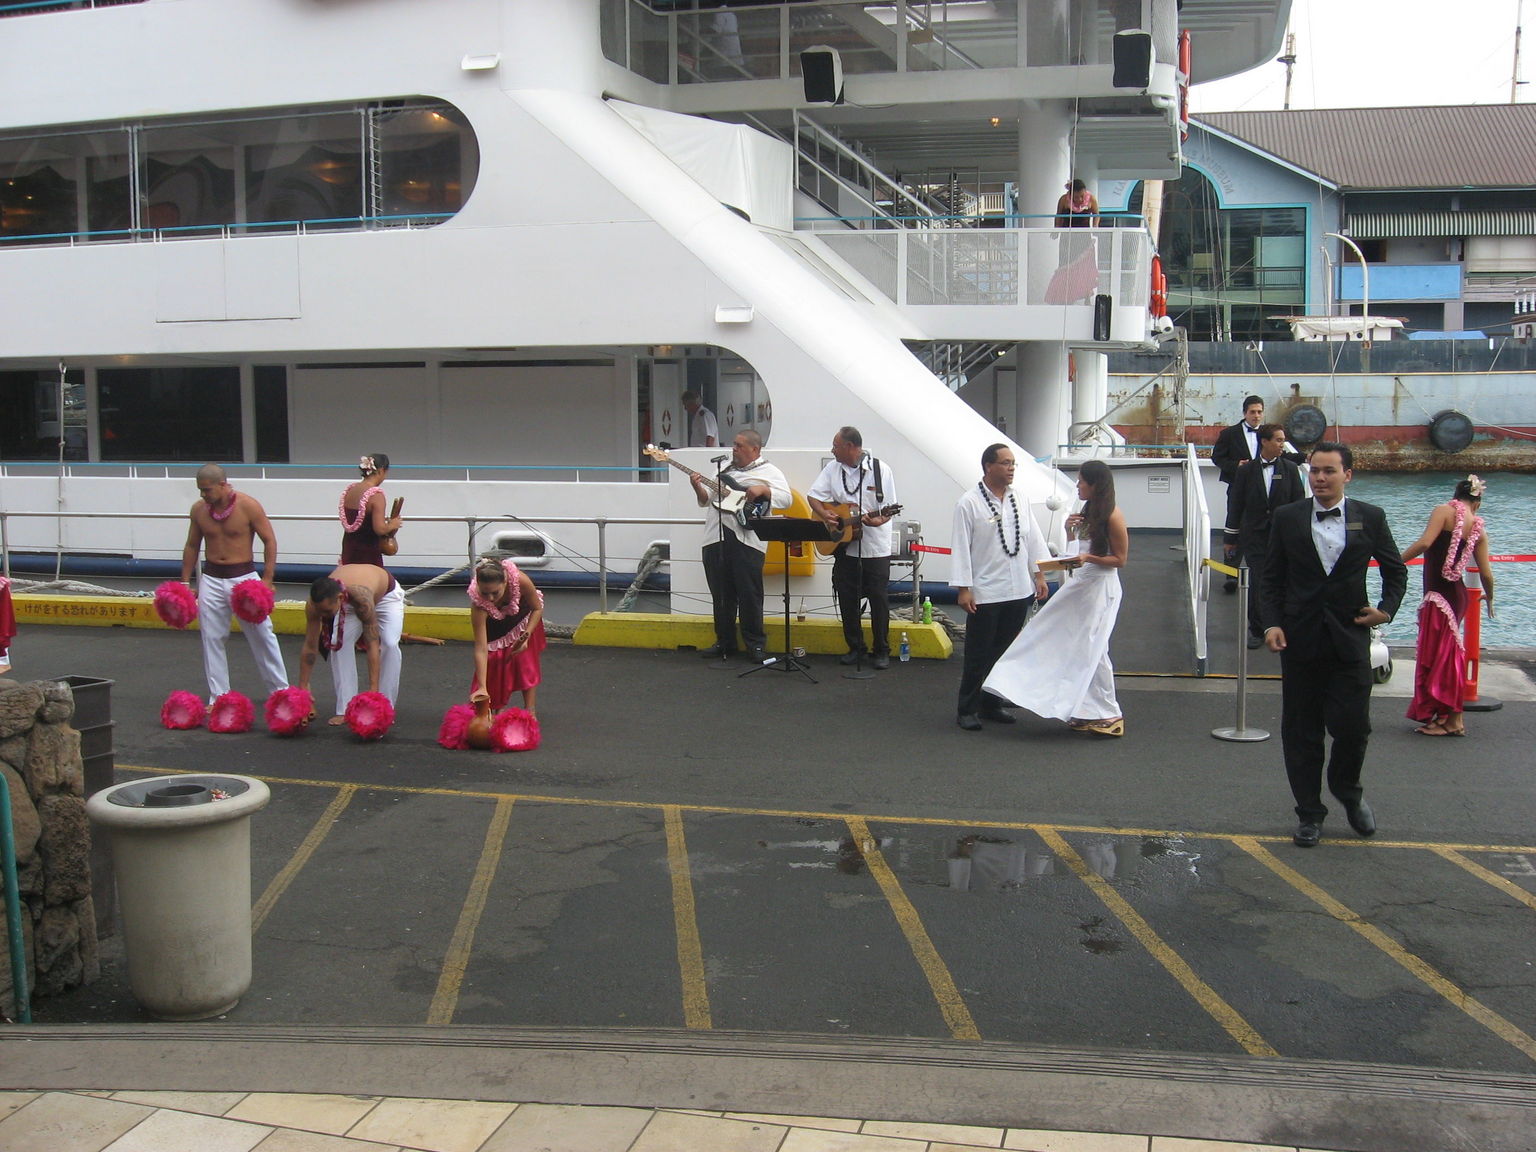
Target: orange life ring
x,y
1159,304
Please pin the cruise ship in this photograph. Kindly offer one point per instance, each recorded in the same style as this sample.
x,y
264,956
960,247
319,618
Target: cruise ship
x,y
498,239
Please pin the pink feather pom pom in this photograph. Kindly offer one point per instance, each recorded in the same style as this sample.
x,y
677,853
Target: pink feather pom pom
x,y
252,601
369,715
231,712
288,709
515,730
455,724
182,710
175,604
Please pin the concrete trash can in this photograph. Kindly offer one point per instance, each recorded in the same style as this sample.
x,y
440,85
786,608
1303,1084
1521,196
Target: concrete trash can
x,y
181,846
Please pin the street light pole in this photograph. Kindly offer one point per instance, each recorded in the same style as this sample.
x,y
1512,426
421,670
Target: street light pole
x,y
1365,282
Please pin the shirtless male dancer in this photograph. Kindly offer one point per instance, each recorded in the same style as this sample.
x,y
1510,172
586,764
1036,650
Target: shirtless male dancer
x,y
224,522
354,600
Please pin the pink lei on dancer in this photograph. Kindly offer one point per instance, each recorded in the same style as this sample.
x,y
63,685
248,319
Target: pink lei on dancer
x,y
507,613
1454,539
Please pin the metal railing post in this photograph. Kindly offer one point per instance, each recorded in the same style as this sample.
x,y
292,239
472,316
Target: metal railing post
x,y
1240,732
13,930
602,564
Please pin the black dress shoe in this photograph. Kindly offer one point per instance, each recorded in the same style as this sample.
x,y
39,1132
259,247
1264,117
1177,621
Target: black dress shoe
x,y
998,716
715,652
880,661
1308,833
852,656
757,655
969,721
1361,818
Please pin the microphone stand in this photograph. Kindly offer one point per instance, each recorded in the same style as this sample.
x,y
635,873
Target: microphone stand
x,y
858,671
725,647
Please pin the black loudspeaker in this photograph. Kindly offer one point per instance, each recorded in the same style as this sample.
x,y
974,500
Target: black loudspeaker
x,y
1101,307
1133,59
822,70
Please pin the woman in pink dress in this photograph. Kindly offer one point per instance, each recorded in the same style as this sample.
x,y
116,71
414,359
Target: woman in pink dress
x,y
507,614
368,532
1453,538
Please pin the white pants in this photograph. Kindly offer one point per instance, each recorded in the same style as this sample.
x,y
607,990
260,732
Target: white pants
x,y
391,611
213,619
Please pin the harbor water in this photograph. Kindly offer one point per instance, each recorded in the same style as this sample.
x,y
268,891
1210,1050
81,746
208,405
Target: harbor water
x,y
1509,511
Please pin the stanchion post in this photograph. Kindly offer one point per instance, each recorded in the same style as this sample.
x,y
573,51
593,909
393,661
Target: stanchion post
x,y
1240,732
1472,644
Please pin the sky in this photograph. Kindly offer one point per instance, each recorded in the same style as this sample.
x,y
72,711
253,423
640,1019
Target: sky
x,y
1383,53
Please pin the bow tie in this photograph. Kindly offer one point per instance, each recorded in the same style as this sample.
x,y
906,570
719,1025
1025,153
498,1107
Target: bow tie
x,y
1327,512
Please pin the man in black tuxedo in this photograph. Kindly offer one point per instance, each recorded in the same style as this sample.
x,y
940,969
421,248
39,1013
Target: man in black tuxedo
x,y
1265,484
1313,605
1234,447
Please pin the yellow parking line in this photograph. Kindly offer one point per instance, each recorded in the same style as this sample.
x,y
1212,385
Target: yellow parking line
x,y
456,960
301,855
956,1014
1206,996
1506,886
838,817
1473,1007
690,950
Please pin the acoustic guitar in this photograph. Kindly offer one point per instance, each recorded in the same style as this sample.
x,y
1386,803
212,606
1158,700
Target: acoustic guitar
x,y
727,494
850,519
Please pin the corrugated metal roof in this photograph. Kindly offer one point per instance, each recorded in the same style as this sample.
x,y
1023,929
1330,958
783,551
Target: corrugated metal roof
x,y
1455,146
1388,225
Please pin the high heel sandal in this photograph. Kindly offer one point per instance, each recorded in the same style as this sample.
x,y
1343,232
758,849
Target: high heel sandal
x,y
1115,727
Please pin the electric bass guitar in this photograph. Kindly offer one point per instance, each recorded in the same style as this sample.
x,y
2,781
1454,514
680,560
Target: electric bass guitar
x,y
727,494
850,518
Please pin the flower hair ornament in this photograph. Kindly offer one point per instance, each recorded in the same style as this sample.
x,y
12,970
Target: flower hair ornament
x,y
365,465
1476,485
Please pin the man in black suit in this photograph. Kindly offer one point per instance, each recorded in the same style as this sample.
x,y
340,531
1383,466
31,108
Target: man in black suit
x,y
1234,447
1313,605
1265,484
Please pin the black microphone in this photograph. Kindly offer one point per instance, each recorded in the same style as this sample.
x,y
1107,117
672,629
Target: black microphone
x,y
719,459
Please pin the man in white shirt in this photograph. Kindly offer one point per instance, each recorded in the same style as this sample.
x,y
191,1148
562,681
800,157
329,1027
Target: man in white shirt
x,y
996,550
856,493
733,555
703,430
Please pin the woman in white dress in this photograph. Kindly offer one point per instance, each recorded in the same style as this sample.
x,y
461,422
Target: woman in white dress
x,y
1059,666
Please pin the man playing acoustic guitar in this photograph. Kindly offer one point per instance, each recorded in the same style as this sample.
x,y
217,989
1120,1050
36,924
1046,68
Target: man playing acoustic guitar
x,y
855,494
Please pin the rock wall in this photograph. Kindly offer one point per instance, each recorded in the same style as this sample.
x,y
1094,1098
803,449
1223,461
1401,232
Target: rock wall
x,y
40,760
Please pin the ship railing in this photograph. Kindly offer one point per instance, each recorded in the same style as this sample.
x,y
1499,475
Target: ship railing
x,y
705,41
1009,266
230,230
599,562
237,470
1197,550
31,7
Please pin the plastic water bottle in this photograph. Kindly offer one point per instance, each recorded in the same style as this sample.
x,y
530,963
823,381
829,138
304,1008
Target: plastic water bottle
x,y
905,652
927,610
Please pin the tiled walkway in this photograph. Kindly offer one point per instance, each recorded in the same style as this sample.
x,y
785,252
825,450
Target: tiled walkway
x,y
276,1122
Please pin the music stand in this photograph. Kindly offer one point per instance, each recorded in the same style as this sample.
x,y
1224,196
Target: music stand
x,y
787,530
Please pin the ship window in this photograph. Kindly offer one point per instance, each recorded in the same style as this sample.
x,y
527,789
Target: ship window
x,y
387,163
30,423
170,413
271,401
